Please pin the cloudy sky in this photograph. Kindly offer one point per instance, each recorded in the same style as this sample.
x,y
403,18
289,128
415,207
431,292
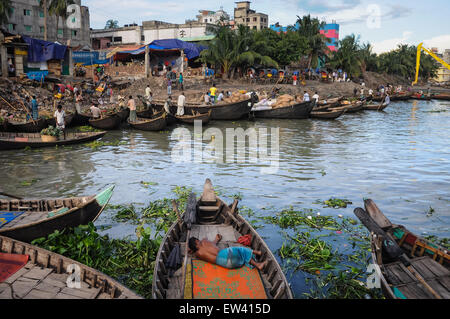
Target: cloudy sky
x,y
384,24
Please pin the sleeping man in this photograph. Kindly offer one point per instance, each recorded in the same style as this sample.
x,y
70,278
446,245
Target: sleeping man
x,y
231,258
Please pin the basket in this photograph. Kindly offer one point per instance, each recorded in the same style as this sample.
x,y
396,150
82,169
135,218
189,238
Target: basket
x,y
48,138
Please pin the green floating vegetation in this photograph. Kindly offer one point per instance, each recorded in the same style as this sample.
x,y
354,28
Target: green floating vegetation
x,y
444,242
147,184
130,262
97,144
306,218
86,128
335,203
28,182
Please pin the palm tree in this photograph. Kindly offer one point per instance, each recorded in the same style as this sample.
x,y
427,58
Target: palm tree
x,y
59,9
112,24
348,56
44,6
309,29
5,11
231,49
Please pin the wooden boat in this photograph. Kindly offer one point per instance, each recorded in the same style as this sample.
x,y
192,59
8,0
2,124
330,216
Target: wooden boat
x,y
331,115
124,114
420,264
401,96
444,97
350,108
68,120
110,122
9,141
41,217
45,275
146,114
417,96
375,107
157,124
189,119
226,112
29,127
213,216
330,102
82,119
297,111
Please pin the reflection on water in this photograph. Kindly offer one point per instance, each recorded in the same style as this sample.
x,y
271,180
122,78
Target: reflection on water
x,y
399,157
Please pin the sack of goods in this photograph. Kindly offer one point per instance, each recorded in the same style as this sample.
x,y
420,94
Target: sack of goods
x,y
284,100
235,98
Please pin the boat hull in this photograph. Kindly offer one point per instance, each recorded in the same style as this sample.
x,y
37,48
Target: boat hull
x,y
297,111
157,124
111,122
81,215
29,127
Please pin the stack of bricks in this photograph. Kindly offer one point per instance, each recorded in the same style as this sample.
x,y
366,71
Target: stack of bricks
x,y
125,70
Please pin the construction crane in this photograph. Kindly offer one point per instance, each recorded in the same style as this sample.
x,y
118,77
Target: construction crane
x,y
419,49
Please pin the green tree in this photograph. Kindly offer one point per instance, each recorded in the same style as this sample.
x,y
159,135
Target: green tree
x,y
348,56
58,8
309,29
5,11
112,24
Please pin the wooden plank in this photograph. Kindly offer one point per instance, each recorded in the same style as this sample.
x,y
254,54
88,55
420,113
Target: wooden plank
x,y
438,286
38,273
400,273
208,195
19,273
23,286
376,214
430,265
41,294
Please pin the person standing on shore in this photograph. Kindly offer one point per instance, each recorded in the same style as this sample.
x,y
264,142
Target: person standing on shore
x,y
294,79
132,107
181,81
181,101
169,87
370,94
148,91
34,108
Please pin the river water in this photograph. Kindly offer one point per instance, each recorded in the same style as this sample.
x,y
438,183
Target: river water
x,y
400,158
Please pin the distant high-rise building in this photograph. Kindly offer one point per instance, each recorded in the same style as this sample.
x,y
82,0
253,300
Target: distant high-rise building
x,y
331,31
243,15
213,17
27,18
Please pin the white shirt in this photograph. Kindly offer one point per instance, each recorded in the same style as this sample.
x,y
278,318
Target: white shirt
x,y
207,98
370,92
220,98
60,118
147,92
306,97
181,100
316,97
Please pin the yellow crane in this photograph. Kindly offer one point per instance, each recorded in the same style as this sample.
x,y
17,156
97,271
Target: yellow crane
x,y
419,49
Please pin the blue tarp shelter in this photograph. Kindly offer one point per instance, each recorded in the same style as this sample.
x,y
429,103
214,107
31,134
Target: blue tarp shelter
x,y
42,51
190,50
89,58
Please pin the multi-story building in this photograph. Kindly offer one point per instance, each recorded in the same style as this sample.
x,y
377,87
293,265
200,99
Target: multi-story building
x,y
213,17
243,15
443,74
331,31
149,31
27,18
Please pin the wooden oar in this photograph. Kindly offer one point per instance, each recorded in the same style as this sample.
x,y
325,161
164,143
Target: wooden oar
x,y
391,247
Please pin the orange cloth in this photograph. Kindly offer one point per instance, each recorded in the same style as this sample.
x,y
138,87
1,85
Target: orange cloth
x,y
215,282
10,264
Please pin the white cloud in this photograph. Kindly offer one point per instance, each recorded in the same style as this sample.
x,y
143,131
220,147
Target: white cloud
x,y
442,42
391,44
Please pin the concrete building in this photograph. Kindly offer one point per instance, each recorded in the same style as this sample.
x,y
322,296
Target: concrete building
x,y
243,15
149,31
331,31
443,74
212,17
27,19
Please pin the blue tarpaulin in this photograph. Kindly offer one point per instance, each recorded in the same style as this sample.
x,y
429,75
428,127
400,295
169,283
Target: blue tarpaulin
x,y
191,50
42,51
88,58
